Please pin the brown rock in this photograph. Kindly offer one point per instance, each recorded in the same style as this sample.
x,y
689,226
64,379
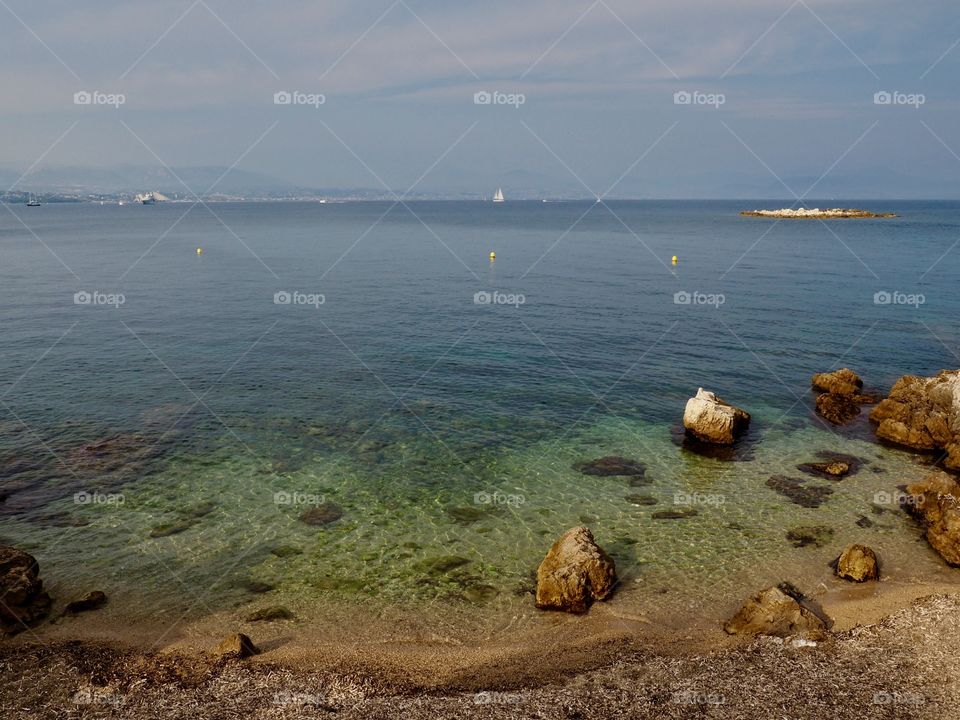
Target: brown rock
x,y
322,514
237,645
22,598
712,420
91,601
935,502
838,409
839,382
858,563
923,413
774,612
574,573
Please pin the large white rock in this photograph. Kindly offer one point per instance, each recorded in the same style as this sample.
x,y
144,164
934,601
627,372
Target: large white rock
x,y
710,419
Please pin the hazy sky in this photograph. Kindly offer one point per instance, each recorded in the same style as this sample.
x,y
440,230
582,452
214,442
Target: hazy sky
x,y
797,81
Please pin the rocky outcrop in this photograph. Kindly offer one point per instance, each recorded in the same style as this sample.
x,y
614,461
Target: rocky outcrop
x,y
712,420
858,563
816,213
775,612
923,413
935,502
322,514
574,573
23,600
840,382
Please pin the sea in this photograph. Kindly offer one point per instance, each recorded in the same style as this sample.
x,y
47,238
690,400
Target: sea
x,y
390,406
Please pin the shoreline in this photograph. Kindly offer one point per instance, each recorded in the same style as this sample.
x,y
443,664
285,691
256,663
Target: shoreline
x,y
890,663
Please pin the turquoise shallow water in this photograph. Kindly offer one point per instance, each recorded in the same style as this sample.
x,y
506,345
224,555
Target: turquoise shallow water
x,y
163,450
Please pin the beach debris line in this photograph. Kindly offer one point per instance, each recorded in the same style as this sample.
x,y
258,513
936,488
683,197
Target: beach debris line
x,y
857,563
816,213
23,601
712,420
575,572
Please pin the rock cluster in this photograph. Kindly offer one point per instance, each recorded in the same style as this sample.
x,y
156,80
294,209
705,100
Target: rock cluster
x,y
923,413
712,420
935,502
574,573
840,395
816,213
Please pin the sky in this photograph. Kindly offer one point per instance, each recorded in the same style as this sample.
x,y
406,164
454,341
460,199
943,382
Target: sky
x,y
661,98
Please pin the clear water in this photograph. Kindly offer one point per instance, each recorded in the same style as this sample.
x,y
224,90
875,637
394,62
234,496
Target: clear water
x,y
407,405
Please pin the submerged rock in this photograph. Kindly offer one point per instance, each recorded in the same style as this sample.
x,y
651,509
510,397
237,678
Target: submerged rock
x,y
834,465
804,535
237,645
322,514
574,573
858,563
798,492
172,528
441,565
611,466
674,514
641,499
935,502
838,409
710,419
923,413
269,614
23,600
839,382
90,601
775,612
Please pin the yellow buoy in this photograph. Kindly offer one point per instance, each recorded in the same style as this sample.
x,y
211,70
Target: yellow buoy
x,y
199,251
493,256
675,260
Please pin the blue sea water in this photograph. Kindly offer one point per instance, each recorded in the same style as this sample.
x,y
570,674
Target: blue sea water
x,y
166,416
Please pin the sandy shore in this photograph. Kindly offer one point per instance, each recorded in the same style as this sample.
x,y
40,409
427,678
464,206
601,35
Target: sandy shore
x,y
880,661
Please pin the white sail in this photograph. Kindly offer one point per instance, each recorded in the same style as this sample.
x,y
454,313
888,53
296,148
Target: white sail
x,y
498,196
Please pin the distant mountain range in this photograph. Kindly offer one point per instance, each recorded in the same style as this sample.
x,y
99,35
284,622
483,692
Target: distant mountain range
x,y
79,183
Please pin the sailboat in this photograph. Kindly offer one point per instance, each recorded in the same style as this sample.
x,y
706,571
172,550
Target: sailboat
x,y
498,196
33,201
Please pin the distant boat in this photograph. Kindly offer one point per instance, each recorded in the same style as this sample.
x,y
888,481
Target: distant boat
x,y
34,201
146,199
498,195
